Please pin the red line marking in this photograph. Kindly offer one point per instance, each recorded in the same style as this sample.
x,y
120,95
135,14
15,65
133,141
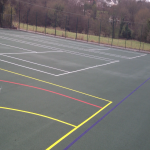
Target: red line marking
x,y
52,92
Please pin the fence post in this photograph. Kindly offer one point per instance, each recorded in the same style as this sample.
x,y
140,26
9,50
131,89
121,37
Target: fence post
x,y
45,22
112,32
2,16
19,15
131,35
55,23
65,26
141,36
87,30
76,27
100,31
27,19
36,21
126,36
11,18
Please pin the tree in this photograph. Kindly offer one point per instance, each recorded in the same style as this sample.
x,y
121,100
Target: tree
x,y
126,32
94,11
2,3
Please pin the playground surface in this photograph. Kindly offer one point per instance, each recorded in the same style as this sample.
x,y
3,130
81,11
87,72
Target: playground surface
x,y
62,94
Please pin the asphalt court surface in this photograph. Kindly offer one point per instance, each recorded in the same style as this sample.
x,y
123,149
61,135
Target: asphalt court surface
x,y
52,90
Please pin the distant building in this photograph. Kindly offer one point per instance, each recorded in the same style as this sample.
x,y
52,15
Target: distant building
x,y
111,3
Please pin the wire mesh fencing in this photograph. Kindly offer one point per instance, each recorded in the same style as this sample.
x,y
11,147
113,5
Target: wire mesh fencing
x,y
110,31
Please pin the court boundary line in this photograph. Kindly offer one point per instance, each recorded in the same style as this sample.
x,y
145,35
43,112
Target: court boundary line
x,y
58,49
17,47
89,68
23,53
137,56
46,42
31,51
62,45
81,124
55,85
52,92
81,49
80,41
27,67
61,74
35,63
36,114
72,42
105,115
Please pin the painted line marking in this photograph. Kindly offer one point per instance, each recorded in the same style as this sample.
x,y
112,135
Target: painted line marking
x,y
137,56
27,67
88,68
62,45
55,85
31,53
58,49
36,114
36,63
94,49
17,47
81,124
62,138
54,40
67,72
52,92
104,115
122,50
73,42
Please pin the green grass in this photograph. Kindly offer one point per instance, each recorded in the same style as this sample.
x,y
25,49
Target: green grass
x,y
91,38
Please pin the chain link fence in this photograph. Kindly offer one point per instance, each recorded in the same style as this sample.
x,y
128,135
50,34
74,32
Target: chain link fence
x,y
109,31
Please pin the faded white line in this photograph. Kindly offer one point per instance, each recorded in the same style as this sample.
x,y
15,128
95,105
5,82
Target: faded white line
x,y
17,47
27,67
137,56
88,68
36,63
53,40
81,49
53,48
31,53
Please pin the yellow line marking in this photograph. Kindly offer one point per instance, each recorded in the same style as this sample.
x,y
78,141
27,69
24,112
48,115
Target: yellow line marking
x,y
55,85
38,115
76,127
81,124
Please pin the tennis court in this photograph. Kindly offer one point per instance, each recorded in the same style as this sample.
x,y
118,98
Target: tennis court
x,y
63,94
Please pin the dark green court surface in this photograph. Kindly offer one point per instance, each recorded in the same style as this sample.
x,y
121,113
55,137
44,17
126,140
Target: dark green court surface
x,y
61,94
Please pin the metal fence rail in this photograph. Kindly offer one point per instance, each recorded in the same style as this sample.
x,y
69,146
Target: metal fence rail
x,y
103,31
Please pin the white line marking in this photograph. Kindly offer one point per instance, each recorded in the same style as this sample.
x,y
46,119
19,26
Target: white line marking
x,y
17,47
53,40
58,49
89,50
31,53
0,89
47,42
137,56
58,74
27,67
86,55
36,63
73,42
88,68
121,50
17,53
